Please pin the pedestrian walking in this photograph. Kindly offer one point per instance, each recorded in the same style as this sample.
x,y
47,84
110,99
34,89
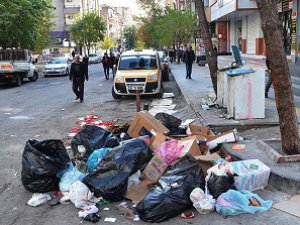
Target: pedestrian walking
x,y
270,81
106,64
189,58
78,75
112,59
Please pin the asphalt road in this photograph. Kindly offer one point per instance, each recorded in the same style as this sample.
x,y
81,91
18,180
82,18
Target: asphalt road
x,y
44,110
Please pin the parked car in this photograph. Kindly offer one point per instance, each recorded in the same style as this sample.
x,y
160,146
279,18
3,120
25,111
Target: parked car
x,y
165,65
57,66
138,70
93,59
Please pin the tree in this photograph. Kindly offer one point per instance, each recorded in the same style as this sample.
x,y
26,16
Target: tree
x,y
272,30
211,54
88,29
23,23
107,43
129,35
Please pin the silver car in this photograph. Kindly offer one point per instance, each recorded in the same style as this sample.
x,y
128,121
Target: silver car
x,y
57,66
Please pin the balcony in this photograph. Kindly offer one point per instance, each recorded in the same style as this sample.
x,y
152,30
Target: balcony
x,y
72,6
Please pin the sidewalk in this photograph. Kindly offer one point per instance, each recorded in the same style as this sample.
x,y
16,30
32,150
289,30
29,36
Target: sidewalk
x,y
196,91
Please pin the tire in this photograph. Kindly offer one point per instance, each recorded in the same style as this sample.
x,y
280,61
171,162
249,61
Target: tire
x,y
67,72
19,80
114,94
34,77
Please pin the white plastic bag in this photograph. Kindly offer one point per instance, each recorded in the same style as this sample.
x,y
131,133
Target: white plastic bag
x,y
202,202
134,179
80,195
38,199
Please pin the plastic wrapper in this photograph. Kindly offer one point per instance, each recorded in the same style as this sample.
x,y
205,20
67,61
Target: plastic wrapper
x,y
110,179
96,157
234,203
171,195
203,202
68,177
41,161
169,151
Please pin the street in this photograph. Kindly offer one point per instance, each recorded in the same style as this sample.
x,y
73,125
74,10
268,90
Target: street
x,y
45,110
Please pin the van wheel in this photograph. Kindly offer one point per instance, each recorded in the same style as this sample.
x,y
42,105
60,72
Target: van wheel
x,y
19,80
34,77
114,94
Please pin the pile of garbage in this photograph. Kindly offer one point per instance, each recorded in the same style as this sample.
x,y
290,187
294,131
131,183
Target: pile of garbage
x,y
162,165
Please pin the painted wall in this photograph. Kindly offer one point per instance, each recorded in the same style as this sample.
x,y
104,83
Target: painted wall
x,y
247,4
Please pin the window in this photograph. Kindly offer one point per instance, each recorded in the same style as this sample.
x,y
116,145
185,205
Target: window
x,y
142,62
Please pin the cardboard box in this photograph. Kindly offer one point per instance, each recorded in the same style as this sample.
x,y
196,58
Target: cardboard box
x,y
155,169
139,191
190,146
230,136
201,132
206,161
156,140
143,123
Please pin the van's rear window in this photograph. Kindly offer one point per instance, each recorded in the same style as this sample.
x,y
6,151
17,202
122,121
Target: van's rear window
x,y
143,62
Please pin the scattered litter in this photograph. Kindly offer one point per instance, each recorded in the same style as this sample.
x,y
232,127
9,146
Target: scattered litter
x,y
93,217
109,219
239,147
20,118
187,122
87,210
63,109
102,201
14,209
7,113
161,102
36,136
203,202
38,199
16,173
168,95
205,107
136,218
187,215
106,209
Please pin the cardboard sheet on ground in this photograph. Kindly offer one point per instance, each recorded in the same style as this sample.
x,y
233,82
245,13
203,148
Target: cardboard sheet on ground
x,y
173,106
162,102
155,111
168,95
291,206
187,122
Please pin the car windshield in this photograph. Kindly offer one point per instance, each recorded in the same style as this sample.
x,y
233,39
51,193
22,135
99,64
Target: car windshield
x,y
57,61
143,62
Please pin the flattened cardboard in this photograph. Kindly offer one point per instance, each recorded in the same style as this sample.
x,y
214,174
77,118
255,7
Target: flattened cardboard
x,y
230,136
155,169
201,132
190,146
143,123
206,161
139,191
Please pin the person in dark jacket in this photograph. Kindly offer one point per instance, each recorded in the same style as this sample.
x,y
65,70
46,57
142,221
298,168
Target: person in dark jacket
x,y
116,64
270,81
106,64
78,75
189,58
112,59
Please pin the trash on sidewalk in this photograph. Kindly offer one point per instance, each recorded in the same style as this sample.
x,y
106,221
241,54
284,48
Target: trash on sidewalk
x,y
93,217
110,219
226,137
187,215
38,199
168,95
169,121
251,174
41,161
86,210
203,202
69,176
239,147
96,157
143,123
205,107
110,178
234,203
169,151
161,102
80,195
170,196
155,169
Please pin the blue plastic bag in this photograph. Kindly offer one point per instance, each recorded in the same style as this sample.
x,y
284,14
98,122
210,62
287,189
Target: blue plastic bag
x,y
69,176
95,158
234,203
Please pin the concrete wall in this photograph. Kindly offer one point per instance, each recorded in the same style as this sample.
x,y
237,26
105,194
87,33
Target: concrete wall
x,y
58,15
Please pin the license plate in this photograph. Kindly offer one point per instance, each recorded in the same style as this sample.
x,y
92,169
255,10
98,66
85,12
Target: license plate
x,y
135,88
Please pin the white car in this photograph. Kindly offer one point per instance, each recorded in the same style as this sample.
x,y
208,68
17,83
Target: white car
x,y
57,66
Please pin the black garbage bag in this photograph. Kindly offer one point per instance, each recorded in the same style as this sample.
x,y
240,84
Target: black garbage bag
x,y
171,195
92,138
218,185
169,121
110,178
41,161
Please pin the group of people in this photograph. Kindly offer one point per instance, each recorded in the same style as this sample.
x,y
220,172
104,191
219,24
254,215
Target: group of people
x,y
108,63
